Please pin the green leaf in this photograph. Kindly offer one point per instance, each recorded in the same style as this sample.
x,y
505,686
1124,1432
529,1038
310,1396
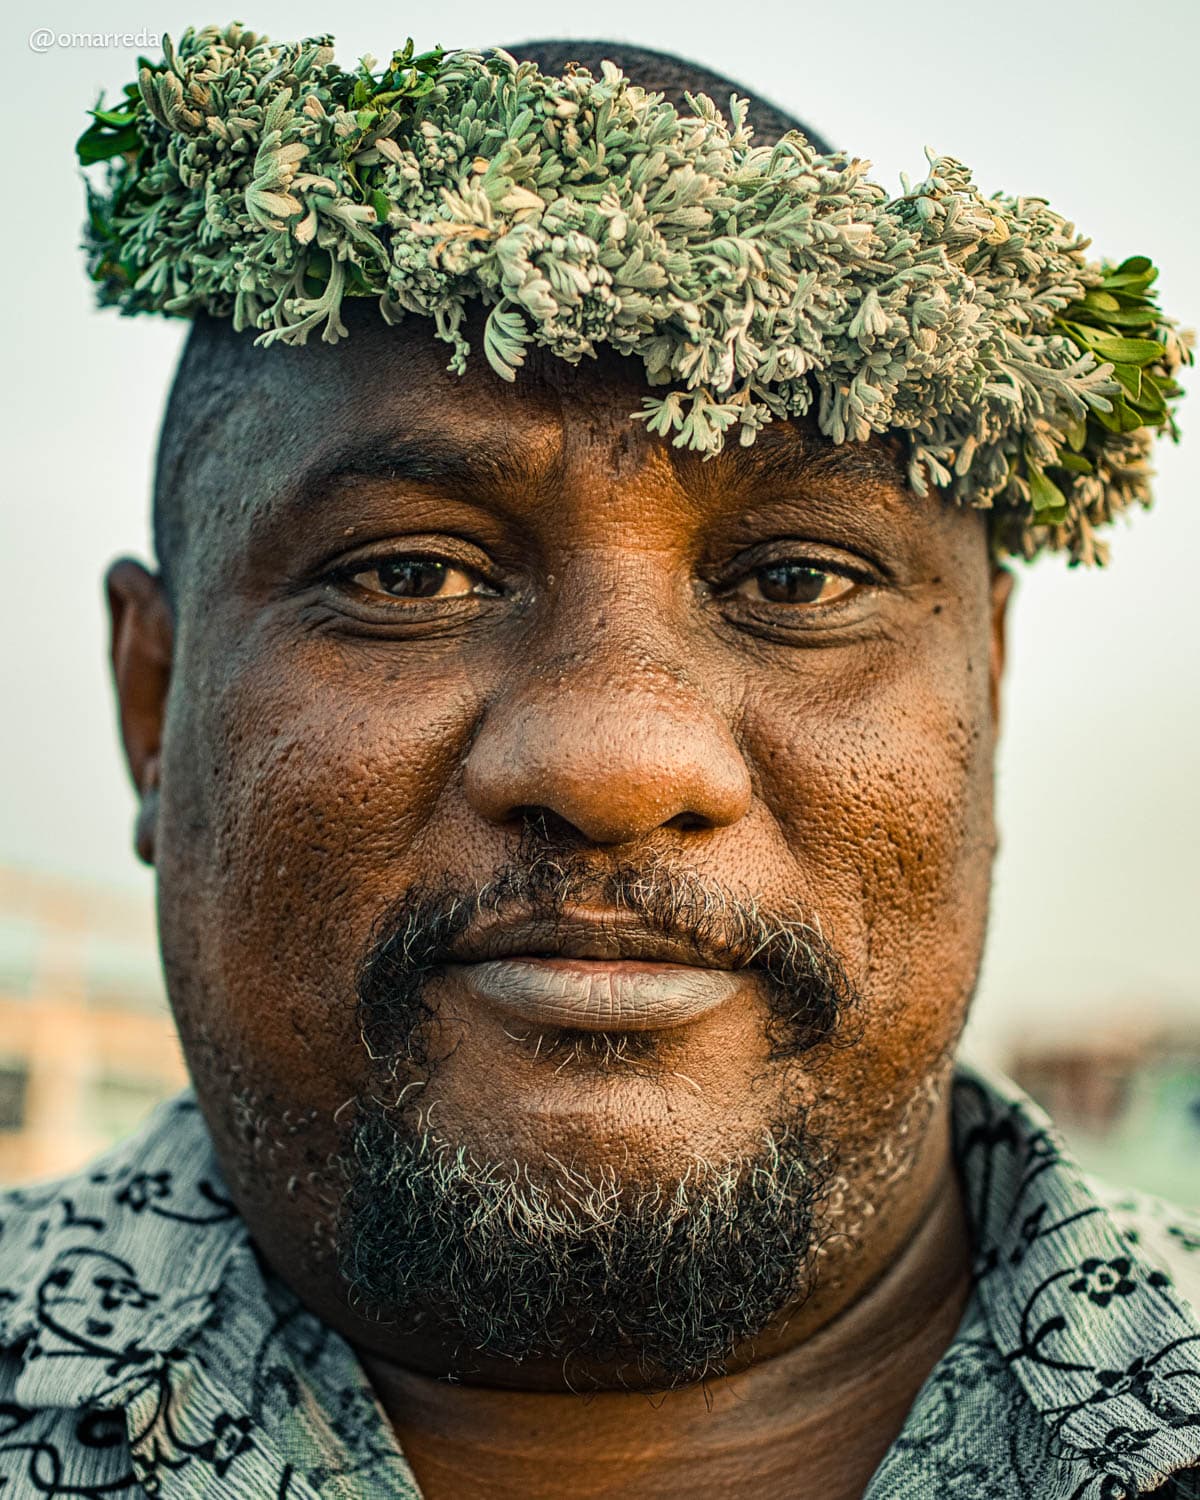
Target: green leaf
x,y
1136,265
1110,420
1130,378
1122,418
1074,463
118,117
1077,435
1132,317
1167,388
1045,494
1101,302
381,203
1117,351
1150,403
317,269
1115,282
1129,351
98,143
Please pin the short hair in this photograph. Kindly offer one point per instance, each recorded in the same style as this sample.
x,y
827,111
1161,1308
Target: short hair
x,y
209,362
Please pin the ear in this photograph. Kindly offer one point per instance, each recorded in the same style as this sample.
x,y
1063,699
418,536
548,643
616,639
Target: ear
x,y
142,634
1002,588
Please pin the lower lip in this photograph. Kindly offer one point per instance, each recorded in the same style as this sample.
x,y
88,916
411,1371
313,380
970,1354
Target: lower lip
x,y
598,995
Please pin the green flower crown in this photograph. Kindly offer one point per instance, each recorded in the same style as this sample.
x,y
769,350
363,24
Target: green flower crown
x,y
260,181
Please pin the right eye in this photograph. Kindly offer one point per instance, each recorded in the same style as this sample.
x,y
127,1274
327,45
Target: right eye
x,y
795,583
408,576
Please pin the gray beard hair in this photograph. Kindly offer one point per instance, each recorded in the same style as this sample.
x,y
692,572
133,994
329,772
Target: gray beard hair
x,y
657,1283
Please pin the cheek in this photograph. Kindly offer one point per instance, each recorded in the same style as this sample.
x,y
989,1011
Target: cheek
x,y
880,780
293,814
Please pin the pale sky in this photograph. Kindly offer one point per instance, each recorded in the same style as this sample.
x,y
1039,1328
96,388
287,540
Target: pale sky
x,y
1097,891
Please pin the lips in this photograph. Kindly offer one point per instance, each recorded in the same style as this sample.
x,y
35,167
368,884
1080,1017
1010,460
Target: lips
x,y
593,974
597,995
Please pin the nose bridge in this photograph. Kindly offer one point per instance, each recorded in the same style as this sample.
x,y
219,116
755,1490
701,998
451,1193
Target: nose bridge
x,y
604,722
616,622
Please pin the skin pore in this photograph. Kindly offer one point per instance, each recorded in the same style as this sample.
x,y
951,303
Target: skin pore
x,y
421,620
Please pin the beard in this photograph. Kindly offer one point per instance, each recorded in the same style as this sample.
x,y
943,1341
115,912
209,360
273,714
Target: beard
x,y
659,1281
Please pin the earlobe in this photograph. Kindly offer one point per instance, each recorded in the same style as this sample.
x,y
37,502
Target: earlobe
x,y
146,823
141,644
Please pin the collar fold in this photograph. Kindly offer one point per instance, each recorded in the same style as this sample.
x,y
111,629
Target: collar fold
x,y
1104,1345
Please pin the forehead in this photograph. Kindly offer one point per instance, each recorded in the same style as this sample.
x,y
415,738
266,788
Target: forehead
x,y
259,436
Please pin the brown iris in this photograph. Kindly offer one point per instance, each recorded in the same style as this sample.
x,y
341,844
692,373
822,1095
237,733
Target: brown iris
x,y
795,583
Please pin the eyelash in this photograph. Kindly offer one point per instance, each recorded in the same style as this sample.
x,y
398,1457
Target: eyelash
x,y
725,588
345,575
861,576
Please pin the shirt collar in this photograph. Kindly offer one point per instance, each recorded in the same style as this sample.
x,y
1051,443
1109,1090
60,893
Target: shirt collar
x,y
116,1273
112,1272
1104,1346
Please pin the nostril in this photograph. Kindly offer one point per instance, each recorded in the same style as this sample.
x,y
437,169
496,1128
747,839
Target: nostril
x,y
687,822
548,827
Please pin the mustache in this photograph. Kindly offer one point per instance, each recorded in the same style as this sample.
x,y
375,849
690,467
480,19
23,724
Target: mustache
x,y
809,993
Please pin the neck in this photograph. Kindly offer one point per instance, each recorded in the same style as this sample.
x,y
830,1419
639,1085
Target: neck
x,y
814,1418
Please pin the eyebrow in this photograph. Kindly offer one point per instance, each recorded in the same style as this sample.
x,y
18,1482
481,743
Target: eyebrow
x,y
784,460
452,466
426,460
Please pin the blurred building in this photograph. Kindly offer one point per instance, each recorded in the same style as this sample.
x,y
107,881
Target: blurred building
x,y
87,1046
1125,1091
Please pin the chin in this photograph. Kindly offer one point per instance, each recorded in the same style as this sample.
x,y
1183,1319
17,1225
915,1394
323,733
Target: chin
x,y
517,1262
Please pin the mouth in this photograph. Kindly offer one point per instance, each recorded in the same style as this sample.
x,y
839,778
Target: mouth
x,y
598,972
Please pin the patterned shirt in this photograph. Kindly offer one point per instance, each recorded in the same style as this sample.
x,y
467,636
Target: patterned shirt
x,y
145,1349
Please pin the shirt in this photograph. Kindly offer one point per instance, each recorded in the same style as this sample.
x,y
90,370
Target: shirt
x,y
146,1350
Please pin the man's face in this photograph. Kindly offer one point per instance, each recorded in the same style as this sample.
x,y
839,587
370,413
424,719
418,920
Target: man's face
x,y
605,735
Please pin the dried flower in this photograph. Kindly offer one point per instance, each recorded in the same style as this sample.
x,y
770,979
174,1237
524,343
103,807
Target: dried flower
x,y
261,182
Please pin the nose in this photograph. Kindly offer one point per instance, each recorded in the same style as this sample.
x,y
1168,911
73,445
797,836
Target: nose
x,y
616,751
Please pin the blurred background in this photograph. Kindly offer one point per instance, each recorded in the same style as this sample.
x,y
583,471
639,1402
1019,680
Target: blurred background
x,y
1090,994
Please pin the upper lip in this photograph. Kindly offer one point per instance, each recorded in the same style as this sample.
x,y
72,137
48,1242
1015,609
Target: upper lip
x,y
581,935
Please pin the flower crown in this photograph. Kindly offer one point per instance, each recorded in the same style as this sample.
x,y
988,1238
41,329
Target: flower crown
x,y
260,181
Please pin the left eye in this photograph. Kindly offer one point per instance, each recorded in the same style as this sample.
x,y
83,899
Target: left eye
x,y
417,578
794,583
